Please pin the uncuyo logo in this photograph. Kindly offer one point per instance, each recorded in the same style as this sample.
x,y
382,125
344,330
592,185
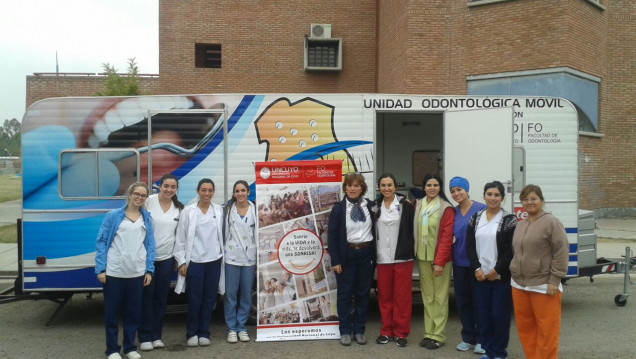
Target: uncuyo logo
x,y
265,173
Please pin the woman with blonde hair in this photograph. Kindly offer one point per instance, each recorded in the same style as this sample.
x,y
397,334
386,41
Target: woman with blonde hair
x,y
124,264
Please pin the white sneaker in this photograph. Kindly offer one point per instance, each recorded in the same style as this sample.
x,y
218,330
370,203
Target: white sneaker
x,y
193,341
158,344
146,346
231,337
133,355
479,349
244,337
114,356
204,342
463,346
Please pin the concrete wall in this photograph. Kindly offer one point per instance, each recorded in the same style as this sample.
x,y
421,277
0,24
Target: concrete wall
x,y
9,166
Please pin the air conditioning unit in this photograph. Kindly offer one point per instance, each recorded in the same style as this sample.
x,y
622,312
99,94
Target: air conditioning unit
x,y
320,31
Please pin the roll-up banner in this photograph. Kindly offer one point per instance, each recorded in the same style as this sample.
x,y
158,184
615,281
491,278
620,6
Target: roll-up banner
x,y
296,285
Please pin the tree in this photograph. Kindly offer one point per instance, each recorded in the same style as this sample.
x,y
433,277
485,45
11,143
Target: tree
x,y
121,85
10,138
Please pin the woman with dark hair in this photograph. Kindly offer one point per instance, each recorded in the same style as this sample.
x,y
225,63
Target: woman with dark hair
x,y
164,208
489,249
395,254
124,264
240,238
433,227
462,274
352,249
198,251
540,261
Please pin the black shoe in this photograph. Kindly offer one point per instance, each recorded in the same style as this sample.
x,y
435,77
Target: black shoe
x,y
382,339
400,342
434,344
424,342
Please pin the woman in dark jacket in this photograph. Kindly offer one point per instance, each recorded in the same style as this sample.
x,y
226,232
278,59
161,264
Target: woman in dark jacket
x,y
352,249
489,249
395,254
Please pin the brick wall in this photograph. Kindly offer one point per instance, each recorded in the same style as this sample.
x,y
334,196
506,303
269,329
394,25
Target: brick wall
x,y
262,45
433,49
613,182
409,46
40,87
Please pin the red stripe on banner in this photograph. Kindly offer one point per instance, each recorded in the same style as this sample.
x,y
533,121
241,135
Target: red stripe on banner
x,y
268,326
298,172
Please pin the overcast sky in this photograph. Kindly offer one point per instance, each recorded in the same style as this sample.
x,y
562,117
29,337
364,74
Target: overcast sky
x,y
85,34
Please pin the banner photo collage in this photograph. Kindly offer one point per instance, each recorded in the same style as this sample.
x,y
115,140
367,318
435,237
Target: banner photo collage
x,y
296,285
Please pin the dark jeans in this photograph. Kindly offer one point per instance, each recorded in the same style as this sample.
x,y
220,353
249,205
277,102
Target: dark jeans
x,y
154,302
202,285
494,310
463,278
126,294
354,284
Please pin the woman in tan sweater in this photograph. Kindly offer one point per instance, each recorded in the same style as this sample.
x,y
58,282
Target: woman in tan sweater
x,y
540,261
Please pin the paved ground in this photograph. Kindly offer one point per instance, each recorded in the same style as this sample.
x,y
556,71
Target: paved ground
x,y
10,211
593,326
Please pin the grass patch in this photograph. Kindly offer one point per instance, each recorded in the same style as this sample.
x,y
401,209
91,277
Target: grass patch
x,y
9,233
10,188
615,240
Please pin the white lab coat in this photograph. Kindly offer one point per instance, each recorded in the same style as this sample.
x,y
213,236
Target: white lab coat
x,y
185,240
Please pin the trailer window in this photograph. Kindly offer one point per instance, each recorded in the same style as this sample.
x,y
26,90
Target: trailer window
x,y
100,173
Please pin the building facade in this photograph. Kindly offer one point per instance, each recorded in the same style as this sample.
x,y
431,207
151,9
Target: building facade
x,y
578,49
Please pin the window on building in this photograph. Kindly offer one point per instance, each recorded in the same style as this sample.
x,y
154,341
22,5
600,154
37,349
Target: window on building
x,y
207,55
579,88
323,54
103,173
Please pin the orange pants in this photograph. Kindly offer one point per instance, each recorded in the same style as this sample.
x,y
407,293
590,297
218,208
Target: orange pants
x,y
538,321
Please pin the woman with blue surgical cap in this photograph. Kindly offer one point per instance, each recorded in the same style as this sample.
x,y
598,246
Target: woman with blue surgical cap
x,y
462,275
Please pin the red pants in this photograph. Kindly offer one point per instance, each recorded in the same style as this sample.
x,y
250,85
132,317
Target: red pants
x,y
395,297
538,320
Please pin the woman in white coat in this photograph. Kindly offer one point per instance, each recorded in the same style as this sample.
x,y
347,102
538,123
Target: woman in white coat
x,y
164,208
240,261
198,251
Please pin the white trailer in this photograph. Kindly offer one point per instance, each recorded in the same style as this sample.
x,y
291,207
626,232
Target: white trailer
x,y
80,154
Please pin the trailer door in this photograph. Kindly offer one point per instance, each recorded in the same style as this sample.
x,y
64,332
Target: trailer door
x,y
478,146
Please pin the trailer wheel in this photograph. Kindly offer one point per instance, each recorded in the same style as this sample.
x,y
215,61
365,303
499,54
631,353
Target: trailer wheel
x,y
620,301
